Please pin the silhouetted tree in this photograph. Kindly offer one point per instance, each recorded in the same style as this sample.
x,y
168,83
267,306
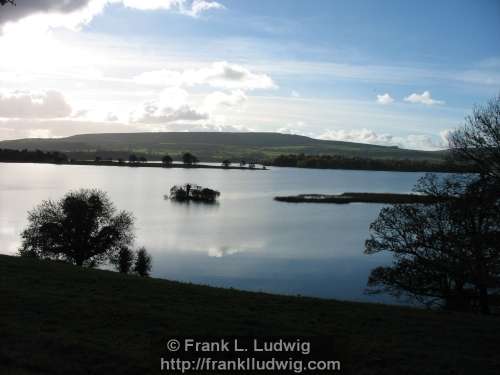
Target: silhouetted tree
x,y
166,160
445,253
142,263
3,2
342,162
479,139
124,260
82,228
226,163
193,192
189,159
37,156
133,158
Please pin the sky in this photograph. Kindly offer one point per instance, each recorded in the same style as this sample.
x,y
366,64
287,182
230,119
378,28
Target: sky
x,y
385,72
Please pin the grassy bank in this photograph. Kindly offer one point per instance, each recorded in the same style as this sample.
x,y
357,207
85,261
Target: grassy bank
x,y
58,319
386,198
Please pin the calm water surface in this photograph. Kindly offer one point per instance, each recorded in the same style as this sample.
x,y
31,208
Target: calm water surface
x,y
247,241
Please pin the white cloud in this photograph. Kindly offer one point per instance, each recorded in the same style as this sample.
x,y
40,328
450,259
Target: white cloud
x,y
152,114
73,14
171,106
219,74
294,94
81,113
412,141
200,6
193,8
214,100
424,98
194,127
385,99
25,104
111,117
150,4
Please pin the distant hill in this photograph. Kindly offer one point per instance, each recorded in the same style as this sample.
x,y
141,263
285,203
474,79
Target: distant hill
x,y
212,146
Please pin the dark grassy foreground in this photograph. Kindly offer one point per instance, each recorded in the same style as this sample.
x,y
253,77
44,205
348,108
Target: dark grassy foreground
x,y
57,319
389,198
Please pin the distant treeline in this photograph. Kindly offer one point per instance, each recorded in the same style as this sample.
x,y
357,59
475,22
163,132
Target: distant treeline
x,y
25,156
341,162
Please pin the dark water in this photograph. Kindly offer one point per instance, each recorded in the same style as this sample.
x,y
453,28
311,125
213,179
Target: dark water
x,y
247,241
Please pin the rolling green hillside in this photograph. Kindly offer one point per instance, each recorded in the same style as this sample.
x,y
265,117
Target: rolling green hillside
x,y
213,146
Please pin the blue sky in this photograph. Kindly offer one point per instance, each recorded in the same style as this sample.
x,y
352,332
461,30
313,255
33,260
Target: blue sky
x,y
386,72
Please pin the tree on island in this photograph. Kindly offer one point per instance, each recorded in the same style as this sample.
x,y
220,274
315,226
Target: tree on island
x,y
142,264
448,252
226,163
83,228
189,159
190,192
166,160
243,163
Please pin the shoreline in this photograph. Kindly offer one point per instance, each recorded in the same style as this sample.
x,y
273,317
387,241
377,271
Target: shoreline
x,y
345,198
138,165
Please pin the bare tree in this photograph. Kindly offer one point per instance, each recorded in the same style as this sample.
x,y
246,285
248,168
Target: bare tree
x,y
479,139
445,253
4,2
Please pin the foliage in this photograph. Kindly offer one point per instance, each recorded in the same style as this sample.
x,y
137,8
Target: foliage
x,y
32,156
341,162
133,158
82,228
189,159
124,259
193,192
479,139
445,253
142,264
166,160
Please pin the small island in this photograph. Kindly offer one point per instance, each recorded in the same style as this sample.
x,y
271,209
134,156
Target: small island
x,y
192,192
344,198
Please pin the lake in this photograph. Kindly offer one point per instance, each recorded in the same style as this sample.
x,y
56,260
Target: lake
x,y
246,241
